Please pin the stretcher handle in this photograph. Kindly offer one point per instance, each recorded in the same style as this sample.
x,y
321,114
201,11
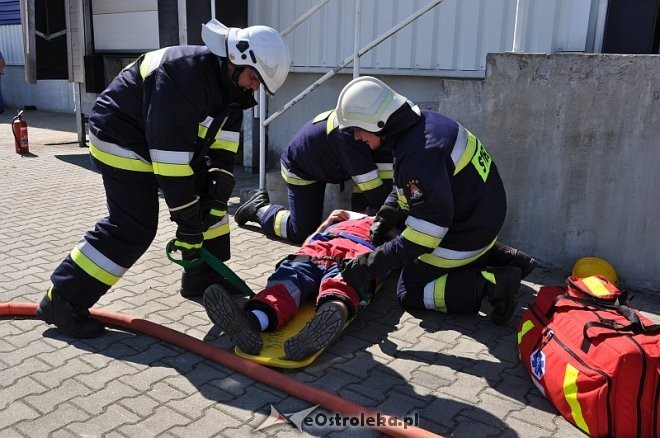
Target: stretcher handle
x,y
216,264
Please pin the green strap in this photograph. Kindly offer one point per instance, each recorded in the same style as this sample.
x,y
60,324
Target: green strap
x,y
214,263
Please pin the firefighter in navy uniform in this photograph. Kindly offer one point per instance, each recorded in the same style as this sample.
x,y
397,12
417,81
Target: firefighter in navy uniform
x,y
168,122
449,201
320,154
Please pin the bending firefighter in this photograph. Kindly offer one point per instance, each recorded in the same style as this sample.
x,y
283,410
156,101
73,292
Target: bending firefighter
x,y
319,154
312,272
168,122
449,201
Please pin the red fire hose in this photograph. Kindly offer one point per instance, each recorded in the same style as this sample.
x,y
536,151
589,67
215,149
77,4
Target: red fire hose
x,y
392,427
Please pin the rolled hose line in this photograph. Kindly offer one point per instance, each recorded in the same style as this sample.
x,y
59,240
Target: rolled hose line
x,y
392,426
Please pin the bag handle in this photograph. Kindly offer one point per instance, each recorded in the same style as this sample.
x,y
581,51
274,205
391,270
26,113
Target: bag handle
x,y
612,325
628,312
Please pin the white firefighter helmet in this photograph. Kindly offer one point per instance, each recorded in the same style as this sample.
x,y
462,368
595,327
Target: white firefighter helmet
x,y
260,47
367,103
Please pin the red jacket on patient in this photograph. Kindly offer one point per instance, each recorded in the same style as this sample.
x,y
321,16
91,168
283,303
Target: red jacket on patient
x,y
340,246
298,279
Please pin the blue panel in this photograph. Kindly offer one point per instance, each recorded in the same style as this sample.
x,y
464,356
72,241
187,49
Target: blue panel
x,y
10,12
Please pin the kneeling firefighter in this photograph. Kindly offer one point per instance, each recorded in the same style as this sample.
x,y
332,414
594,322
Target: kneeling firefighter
x,y
449,200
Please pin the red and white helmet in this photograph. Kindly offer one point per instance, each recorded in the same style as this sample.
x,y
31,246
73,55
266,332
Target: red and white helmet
x,y
259,47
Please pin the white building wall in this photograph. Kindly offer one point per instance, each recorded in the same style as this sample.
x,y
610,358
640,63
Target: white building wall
x,y
451,40
125,25
11,44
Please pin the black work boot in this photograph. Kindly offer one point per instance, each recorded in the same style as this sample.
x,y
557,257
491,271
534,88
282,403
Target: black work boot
x,y
225,312
194,281
319,332
502,294
70,319
503,255
248,211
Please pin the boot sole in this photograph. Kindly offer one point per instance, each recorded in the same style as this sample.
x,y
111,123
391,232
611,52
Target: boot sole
x,y
241,217
316,335
225,312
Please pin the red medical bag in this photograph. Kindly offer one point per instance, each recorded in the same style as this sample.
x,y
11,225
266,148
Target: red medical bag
x,y
595,359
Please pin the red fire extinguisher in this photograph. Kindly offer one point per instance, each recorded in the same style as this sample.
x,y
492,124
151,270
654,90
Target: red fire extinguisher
x,y
20,129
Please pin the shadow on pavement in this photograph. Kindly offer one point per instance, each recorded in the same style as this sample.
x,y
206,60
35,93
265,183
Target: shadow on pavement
x,y
215,382
81,160
29,155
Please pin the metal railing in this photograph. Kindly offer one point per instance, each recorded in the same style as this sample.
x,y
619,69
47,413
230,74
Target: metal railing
x,y
354,58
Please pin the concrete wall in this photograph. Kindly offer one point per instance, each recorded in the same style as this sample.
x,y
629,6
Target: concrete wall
x,y
575,139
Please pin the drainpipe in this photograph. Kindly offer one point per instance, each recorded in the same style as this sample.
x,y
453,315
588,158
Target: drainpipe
x,y
356,43
520,25
262,138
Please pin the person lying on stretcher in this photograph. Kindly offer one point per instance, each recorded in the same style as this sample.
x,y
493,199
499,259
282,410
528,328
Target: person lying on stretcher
x,y
312,271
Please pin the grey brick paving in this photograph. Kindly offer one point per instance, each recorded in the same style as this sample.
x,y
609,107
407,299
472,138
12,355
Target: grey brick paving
x,y
460,374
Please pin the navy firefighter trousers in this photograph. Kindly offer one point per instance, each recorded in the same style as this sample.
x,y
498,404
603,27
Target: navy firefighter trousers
x,y
118,240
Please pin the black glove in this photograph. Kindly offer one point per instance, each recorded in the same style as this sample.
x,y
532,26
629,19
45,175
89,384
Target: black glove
x,y
359,272
189,235
189,243
214,204
222,185
356,275
387,218
216,210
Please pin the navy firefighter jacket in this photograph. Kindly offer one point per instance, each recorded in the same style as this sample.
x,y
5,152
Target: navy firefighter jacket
x,y
319,152
154,118
447,182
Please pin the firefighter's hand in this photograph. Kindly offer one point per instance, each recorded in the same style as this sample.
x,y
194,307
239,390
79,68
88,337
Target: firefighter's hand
x,y
188,242
356,273
222,185
217,210
378,232
387,218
